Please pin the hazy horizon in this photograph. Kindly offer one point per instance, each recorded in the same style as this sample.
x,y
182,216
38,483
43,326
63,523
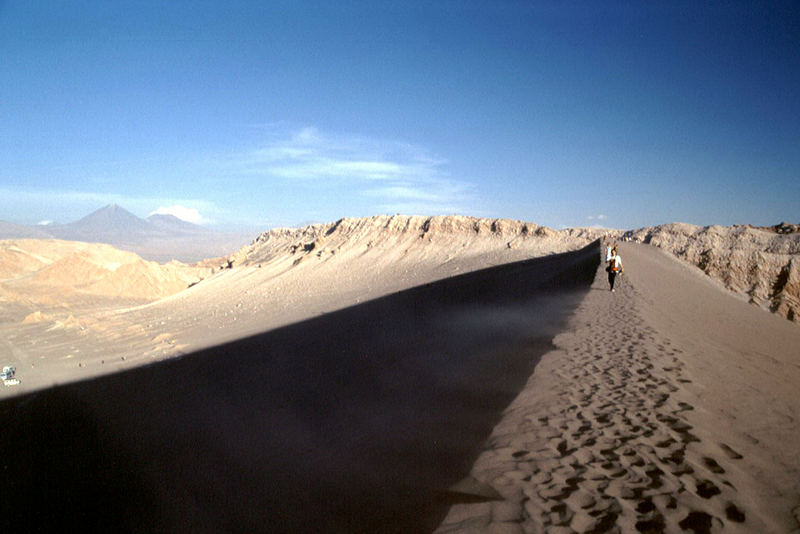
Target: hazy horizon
x,y
236,230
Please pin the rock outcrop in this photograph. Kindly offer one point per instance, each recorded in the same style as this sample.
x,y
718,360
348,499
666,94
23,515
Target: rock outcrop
x,y
451,233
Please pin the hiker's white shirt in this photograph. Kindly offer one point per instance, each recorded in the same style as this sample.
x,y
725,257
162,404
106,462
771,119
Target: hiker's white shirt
x,y
617,262
608,254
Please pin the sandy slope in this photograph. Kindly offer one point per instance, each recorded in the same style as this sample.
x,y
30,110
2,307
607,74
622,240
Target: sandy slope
x,y
668,405
285,276
353,421
288,275
56,302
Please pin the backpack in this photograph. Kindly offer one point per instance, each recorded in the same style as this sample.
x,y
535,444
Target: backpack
x,y
613,265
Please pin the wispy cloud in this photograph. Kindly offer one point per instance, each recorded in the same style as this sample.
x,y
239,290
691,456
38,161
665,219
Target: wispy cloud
x,y
398,176
308,154
402,192
431,197
315,167
600,217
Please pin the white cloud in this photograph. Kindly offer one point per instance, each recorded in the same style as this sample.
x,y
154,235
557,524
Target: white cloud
x,y
307,135
320,167
183,213
401,192
600,217
311,155
397,175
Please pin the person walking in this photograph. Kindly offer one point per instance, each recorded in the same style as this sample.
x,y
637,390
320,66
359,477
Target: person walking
x,y
614,267
609,248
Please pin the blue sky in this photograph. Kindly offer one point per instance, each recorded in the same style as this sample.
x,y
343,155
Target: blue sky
x,y
264,114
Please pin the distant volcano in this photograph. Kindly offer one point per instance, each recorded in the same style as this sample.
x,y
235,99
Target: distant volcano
x,y
158,237
107,225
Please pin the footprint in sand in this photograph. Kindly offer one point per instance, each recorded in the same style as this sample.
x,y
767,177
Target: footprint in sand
x,y
730,453
607,447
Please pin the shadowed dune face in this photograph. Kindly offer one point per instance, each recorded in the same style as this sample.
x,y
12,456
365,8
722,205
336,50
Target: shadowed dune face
x,y
355,421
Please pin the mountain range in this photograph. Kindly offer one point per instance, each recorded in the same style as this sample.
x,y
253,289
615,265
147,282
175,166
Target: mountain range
x,y
158,237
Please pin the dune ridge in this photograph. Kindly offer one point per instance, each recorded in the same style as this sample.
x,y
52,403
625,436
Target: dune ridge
x,y
666,406
758,263
353,421
286,275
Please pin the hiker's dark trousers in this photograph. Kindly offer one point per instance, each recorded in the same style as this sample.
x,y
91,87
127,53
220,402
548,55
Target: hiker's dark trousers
x,y
611,276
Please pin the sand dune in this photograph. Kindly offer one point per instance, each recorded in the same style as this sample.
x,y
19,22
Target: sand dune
x,y
61,274
285,276
357,369
356,421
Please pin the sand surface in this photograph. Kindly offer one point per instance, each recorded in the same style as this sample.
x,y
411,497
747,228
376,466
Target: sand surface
x,y
668,406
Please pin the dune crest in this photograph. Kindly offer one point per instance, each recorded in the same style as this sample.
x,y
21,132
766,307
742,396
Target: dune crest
x,y
665,406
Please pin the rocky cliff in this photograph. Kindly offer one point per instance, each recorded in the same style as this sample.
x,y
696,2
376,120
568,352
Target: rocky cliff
x,y
761,263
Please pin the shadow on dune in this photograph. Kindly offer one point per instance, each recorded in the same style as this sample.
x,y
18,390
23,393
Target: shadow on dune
x,y
355,421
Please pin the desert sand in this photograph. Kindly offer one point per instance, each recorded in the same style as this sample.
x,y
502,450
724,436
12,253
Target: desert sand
x,y
667,406
357,420
402,374
57,333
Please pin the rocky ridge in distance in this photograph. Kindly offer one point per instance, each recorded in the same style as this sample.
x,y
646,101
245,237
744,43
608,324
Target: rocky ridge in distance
x,y
456,232
760,263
